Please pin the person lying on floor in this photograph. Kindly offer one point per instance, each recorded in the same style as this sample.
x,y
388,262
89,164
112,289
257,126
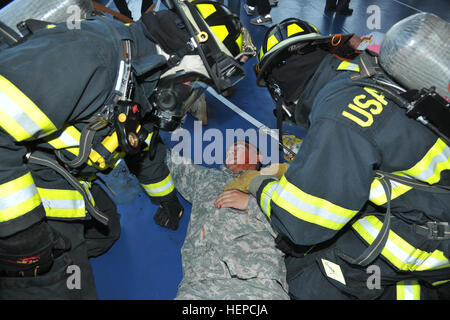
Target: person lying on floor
x,y
228,254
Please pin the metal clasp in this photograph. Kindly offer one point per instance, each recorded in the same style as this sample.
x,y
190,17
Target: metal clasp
x,y
438,230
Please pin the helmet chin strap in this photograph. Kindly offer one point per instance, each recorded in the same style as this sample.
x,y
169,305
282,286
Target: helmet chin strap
x,y
189,63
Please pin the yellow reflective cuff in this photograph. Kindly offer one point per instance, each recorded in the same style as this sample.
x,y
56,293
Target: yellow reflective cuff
x,y
160,189
16,185
20,209
310,208
266,197
18,197
19,116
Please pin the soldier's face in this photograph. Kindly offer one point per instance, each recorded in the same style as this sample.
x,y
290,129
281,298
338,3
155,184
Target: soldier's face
x,y
241,156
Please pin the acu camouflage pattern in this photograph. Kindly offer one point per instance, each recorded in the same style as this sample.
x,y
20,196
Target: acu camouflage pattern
x,y
227,253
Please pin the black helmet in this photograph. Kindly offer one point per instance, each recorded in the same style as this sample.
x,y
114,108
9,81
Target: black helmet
x,y
225,25
292,36
213,31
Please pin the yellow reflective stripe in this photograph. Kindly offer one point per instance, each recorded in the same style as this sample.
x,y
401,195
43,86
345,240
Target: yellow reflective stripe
x,y
428,169
16,185
348,66
161,188
50,26
206,9
438,283
294,29
310,208
69,139
20,209
408,290
266,196
87,187
220,31
18,197
62,203
19,116
147,141
436,160
271,42
399,252
239,41
377,194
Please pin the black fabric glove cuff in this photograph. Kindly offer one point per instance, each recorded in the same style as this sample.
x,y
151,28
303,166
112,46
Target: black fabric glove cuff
x,y
169,214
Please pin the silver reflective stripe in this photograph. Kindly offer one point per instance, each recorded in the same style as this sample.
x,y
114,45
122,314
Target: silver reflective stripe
x,y
379,190
68,140
400,254
309,208
9,107
268,196
160,189
18,197
430,170
409,293
63,203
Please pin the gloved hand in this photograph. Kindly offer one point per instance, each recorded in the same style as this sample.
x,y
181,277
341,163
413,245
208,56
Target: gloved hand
x,y
242,182
30,252
169,214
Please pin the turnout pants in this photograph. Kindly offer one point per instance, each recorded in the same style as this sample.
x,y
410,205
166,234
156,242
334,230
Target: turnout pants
x,y
70,276
322,275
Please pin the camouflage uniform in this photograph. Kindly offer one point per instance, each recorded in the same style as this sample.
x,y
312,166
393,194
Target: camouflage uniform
x,y
227,253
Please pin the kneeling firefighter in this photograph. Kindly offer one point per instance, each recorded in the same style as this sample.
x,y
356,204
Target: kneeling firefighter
x,y
75,102
363,211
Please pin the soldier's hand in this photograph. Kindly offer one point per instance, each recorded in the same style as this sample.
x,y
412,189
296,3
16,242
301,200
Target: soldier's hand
x,y
232,199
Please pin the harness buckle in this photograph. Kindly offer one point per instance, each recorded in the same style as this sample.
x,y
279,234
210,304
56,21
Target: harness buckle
x,y
438,230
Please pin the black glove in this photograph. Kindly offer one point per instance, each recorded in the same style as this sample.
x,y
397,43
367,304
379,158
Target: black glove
x,y
169,213
30,252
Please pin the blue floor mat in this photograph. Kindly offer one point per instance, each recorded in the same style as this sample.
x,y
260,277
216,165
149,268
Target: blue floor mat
x,y
145,263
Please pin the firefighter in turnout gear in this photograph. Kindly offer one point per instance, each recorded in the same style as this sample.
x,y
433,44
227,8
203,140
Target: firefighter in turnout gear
x,y
74,102
363,210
